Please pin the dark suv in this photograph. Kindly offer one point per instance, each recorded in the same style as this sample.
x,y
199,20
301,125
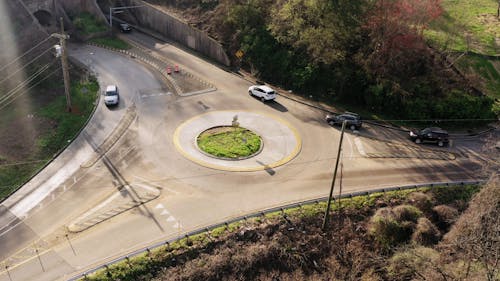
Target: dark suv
x,y
433,134
353,121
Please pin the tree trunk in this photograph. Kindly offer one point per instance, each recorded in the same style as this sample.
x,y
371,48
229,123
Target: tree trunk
x,y
498,10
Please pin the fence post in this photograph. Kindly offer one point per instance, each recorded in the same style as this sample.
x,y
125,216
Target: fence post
x,y
108,273
188,241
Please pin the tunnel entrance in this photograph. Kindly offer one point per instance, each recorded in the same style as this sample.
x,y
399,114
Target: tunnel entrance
x,y
44,17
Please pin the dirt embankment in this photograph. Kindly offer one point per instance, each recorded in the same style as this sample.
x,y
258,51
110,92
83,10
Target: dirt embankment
x,y
394,236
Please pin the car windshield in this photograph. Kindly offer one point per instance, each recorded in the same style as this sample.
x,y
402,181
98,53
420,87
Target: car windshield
x,y
348,117
110,93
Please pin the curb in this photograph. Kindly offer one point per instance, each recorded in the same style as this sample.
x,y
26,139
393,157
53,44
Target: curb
x,y
115,135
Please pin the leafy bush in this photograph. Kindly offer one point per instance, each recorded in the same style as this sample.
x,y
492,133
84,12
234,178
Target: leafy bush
x,y
454,195
87,23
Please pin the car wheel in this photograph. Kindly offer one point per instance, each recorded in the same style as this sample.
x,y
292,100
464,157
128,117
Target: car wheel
x,y
440,143
331,123
352,127
250,93
263,99
418,141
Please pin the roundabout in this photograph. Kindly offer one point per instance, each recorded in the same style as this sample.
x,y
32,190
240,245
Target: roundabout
x,y
280,141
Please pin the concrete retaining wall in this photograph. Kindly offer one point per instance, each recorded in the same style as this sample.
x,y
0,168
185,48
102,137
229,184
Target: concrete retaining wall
x,y
179,31
77,6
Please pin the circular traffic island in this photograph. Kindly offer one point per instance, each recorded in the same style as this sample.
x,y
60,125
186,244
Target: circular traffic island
x,y
229,142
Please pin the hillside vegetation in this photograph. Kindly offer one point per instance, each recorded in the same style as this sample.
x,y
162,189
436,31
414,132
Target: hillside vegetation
x,y
391,236
367,54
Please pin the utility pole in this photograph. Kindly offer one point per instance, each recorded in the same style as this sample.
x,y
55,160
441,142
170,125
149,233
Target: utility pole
x,y
64,61
325,218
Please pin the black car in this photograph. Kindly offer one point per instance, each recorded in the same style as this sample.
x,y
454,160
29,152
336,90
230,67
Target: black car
x,y
433,135
353,121
125,27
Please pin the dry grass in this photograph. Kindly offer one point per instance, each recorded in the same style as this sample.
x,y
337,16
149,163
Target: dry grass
x,y
425,233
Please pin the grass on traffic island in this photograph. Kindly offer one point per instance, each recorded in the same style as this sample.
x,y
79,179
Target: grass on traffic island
x,y
229,142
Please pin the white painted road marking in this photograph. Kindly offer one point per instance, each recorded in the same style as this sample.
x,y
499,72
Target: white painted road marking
x,y
359,146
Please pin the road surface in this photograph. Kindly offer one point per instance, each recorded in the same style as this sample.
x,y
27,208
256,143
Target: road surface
x,y
85,208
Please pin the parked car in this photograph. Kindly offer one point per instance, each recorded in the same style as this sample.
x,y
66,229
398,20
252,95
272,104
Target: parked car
x,y
353,121
125,27
263,92
432,134
111,96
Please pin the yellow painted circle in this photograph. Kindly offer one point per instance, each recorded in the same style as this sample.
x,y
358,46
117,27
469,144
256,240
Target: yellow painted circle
x,y
196,157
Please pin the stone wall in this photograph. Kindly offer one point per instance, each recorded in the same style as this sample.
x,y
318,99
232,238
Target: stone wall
x,y
179,31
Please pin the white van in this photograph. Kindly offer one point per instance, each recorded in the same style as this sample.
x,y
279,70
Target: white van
x,y
265,93
111,96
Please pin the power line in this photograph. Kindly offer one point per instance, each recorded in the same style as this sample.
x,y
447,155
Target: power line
x,y
50,74
25,82
25,53
20,68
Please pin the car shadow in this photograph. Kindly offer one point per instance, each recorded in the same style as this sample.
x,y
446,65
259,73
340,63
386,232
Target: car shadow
x,y
276,105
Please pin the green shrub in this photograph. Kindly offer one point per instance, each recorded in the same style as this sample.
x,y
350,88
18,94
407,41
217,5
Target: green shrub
x,y
87,23
452,195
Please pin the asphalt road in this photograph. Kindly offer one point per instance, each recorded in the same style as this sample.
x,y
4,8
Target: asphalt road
x,y
132,145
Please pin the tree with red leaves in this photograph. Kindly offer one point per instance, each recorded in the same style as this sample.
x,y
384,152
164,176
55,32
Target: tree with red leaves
x,y
395,29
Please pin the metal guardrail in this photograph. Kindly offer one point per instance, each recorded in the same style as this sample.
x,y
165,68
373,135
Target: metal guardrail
x,y
262,213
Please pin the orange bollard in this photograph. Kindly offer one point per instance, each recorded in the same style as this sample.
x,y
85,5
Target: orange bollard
x,y
169,70
176,68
